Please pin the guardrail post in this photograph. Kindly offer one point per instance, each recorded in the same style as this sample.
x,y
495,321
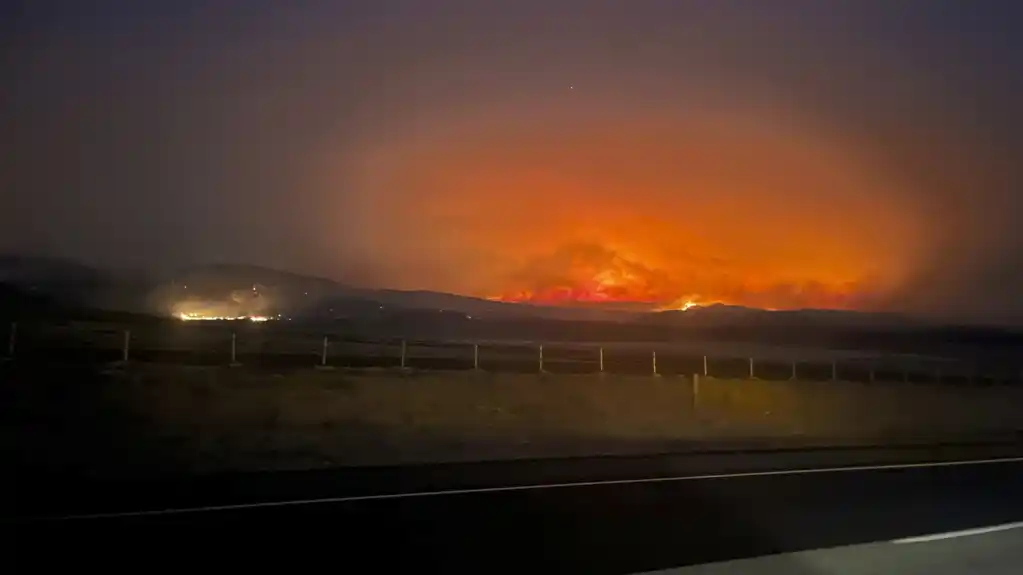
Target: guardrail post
x,y
234,349
655,362
12,339
704,366
476,356
541,358
403,352
126,346
601,356
322,366
751,376
696,392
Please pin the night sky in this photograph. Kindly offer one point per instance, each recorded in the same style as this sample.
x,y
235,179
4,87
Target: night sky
x,y
854,154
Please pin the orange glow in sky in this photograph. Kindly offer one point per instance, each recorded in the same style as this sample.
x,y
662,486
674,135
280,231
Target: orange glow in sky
x,y
755,211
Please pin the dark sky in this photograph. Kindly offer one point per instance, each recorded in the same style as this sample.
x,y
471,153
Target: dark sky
x,y
796,152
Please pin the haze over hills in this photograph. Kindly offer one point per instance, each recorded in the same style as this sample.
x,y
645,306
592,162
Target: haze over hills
x,y
60,289
287,293
312,298
46,271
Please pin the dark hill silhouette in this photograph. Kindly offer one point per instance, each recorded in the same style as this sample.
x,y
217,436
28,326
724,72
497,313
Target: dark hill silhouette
x,y
52,287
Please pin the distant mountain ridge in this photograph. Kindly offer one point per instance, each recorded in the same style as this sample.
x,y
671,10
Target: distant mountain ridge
x,y
313,296
59,289
26,270
298,293
718,314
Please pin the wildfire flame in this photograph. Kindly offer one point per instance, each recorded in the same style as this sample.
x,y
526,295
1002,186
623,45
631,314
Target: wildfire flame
x,y
239,305
595,274
586,274
200,317
688,303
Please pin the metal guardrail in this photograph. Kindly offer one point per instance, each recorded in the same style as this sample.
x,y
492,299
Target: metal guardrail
x,y
221,345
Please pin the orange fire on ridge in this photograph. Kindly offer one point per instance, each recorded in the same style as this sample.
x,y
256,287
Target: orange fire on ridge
x,y
586,274
592,274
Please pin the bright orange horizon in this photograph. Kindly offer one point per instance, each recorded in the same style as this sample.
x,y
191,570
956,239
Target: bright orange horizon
x,y
746,209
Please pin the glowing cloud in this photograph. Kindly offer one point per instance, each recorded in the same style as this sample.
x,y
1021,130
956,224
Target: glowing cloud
x,y
742,208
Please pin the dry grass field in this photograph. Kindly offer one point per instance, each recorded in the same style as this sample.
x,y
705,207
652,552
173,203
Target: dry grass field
x,y
144,418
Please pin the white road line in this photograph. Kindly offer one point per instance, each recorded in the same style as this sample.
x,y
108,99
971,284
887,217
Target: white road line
x,y
963,533
535,487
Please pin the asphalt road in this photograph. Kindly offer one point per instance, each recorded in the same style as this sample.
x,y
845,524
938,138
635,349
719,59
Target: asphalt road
x,y
610,515
996,553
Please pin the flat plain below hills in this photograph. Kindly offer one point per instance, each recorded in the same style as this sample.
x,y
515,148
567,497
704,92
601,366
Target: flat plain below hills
x,y
152,419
